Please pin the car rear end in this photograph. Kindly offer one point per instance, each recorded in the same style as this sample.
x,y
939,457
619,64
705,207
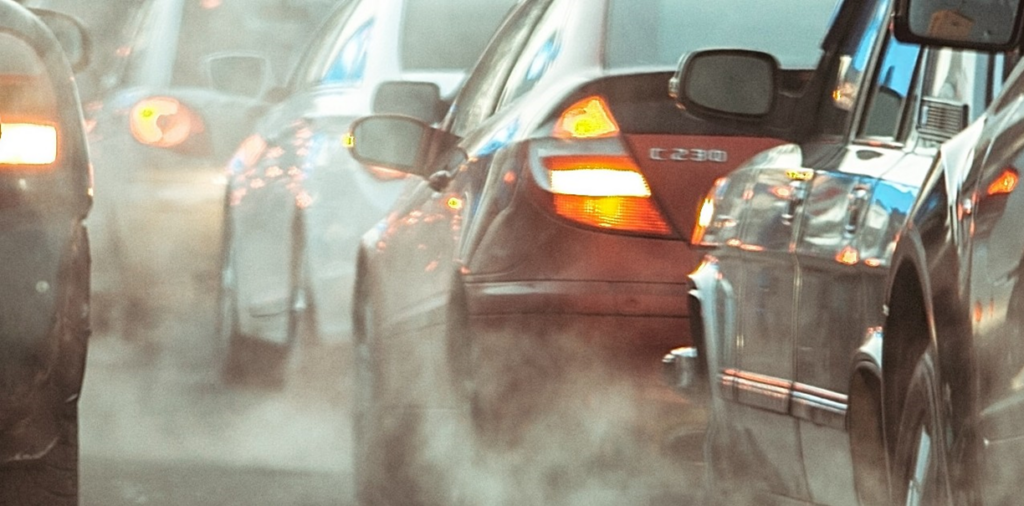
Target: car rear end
x,y
44,195
588,248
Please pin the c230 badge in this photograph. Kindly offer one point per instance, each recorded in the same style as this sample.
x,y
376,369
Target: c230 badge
x,y
688,155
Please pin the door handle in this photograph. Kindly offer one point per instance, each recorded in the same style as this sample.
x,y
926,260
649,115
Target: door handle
x,y
793,203
858,203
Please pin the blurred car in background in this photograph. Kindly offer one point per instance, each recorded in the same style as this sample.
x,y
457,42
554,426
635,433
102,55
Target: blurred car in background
x,y
535,270
189,80
297,203
45,193
788,299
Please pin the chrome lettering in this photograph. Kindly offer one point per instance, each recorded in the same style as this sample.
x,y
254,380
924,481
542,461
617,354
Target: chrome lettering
x,y
688,155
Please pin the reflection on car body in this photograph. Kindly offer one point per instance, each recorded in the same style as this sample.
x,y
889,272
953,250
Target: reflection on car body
x,y
296,202
537,267
790,292
45,193
952,341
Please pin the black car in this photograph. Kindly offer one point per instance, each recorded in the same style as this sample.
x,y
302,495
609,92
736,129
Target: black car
x,y
45,193
952,348
529,278
797,244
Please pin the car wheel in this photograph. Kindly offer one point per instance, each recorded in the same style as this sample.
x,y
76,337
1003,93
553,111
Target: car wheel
x,y
50,480
366,465
921,472
247,361
403,445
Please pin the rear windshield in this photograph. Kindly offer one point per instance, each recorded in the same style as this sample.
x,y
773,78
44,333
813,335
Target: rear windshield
x,y
645,33
448,34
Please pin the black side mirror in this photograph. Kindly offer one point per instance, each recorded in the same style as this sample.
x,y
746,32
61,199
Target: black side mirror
x,y
242,74
984,25
399,143
420,100
730,83
71,35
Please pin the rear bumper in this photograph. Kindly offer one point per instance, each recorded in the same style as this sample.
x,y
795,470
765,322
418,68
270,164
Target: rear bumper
x,y
600,343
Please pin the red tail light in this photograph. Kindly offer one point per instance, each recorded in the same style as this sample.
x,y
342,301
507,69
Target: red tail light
x,y
606,192
27,144
163,122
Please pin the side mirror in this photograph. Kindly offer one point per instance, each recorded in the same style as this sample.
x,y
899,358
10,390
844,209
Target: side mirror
x,y
71,35
399,143
242,74
986,25
420,100
730,83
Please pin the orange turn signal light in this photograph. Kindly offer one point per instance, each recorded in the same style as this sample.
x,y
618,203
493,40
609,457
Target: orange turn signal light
x,y
1005,183
589,118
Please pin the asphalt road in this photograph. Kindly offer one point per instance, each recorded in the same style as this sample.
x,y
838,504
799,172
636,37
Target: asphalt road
x,y
158,427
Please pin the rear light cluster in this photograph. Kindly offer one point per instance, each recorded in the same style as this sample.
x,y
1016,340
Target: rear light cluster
x,y
606,191
164,122
27,144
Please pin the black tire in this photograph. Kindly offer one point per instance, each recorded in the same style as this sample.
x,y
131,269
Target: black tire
x,y
51,480
391,465
367,469
921,471
249,361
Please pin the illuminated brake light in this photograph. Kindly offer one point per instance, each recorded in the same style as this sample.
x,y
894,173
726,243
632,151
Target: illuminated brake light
x,y
589,118
604,191
30,144
163,122
1005,183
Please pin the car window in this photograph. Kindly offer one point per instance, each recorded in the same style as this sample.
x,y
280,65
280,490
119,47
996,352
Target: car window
x,y
539,53
253,26
891,91
965,77
479,96
316,56
342,60
430,26
658,32
855,52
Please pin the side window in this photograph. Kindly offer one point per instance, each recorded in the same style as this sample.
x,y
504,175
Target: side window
x,y
479,96
28,108
538,55
963,77
891,91
349,63
854,55
343,59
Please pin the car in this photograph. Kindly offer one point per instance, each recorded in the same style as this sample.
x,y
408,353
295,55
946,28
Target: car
x,y
296,202
175,102
788,299
45,191
526,281
951,340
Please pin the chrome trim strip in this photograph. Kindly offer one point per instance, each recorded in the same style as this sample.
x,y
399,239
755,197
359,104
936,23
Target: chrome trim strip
x,y
817,405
